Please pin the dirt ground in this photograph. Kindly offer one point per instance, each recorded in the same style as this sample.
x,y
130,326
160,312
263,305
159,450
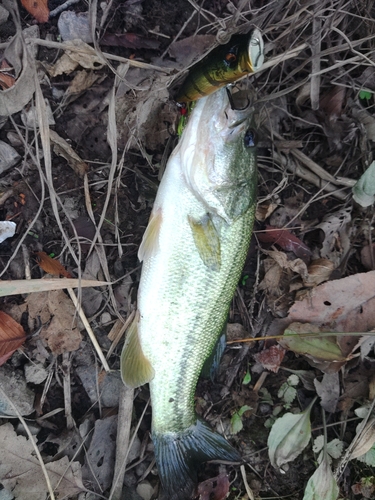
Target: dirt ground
x,y
85,133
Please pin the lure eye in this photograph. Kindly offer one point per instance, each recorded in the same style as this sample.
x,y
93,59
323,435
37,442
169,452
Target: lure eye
x,y
230,58
251,138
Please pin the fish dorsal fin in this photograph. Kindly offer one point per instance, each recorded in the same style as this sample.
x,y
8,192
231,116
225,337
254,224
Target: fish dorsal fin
x,y
150,240
136,369
207,241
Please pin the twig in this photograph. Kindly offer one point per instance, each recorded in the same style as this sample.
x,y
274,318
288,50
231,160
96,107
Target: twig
x,y
246,484
88,329
65,368
62,7
122,441
315,63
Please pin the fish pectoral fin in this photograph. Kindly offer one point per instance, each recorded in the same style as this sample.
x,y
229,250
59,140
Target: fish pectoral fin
x,y
136,369
150,240
207,241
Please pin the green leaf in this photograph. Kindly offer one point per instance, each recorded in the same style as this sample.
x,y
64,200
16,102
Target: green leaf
x,y
364,189
365,95
287,393
293,380
236,420
236,424
368,458
322,484
266,396
289,436
247,378
244,408
318,348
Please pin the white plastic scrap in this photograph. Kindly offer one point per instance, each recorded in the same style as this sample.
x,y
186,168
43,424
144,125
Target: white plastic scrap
x,y
7,229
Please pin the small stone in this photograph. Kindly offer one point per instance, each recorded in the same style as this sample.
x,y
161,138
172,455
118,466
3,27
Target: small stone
x,y
74,26
4,14
145,490
105,318
35,373
14,385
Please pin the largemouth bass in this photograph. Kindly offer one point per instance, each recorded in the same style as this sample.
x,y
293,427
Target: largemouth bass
x,y
193,252
225,64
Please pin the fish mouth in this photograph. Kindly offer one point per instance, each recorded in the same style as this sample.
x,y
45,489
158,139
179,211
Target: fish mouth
x,y
240,108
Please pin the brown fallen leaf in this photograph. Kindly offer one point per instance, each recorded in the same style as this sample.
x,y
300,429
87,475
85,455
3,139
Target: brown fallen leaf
x,y
318,271
6,80
38,9
51,266
286,240
62,148
271,358
22,475
58,315
12,336
216,488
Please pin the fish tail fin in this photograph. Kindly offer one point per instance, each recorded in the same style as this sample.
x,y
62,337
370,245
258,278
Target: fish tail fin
x,y
179,454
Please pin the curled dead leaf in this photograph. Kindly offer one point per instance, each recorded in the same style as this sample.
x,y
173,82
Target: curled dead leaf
x,y
12,336
318,271
38,9
366,440
51,266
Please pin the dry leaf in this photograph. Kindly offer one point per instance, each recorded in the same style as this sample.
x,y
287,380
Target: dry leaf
x,y
368,256
51,266
271,358
12,336
264,210
366,440
216,488
21,473
286,240
62,148
6,80
319,271
329,391
18,95
58,314
38,9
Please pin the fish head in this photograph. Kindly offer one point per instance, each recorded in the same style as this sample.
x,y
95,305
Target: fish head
x,y
218,153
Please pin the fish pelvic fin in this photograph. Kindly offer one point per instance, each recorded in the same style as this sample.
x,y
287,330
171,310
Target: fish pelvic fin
x,y
150,240
179,454
136,369
207,241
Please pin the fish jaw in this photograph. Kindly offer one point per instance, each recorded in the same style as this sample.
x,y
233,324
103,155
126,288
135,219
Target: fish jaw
x,y
212,140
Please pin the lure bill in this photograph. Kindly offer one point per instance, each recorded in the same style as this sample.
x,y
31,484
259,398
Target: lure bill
x,y
225,64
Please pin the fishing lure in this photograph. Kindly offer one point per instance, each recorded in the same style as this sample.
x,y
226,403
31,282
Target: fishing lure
x,y
225,64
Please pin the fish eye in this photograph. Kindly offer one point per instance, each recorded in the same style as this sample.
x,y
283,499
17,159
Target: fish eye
x,y
251,138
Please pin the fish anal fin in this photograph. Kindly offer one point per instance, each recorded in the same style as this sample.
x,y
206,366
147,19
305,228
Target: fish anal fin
x,y
207,241
178,456
136,369
211,365
150,240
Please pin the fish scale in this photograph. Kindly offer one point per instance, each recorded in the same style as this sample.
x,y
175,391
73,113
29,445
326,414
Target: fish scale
x,y
193,252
